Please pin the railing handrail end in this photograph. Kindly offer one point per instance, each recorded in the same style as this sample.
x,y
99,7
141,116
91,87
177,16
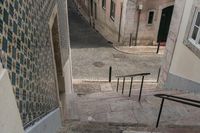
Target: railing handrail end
x,y
134,75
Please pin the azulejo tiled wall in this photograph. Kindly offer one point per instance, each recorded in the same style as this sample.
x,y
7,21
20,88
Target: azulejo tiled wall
x,y
25,51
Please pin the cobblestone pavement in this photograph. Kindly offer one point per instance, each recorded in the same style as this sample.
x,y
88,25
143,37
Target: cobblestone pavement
x,y
92,55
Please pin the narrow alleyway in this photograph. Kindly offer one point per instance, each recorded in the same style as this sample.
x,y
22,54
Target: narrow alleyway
x,y
92,55
98,108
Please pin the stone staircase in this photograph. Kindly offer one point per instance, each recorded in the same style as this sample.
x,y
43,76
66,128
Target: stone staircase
x,y
96,127
100,109
89,127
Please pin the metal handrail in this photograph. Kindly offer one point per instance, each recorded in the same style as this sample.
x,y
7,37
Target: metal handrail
x,y
182,100
134,75
131,76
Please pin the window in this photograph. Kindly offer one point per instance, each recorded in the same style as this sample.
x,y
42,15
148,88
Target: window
x,y
151,17
194,37
104,4
112,10
192,34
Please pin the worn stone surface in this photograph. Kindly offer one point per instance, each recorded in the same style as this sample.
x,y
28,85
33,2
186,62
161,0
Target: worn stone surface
x,y
110,112
95,127
86,88
138,132
110,106
106,87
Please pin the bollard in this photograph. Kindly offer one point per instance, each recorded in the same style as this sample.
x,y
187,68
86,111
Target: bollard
x,y
130,41
141,87
110,74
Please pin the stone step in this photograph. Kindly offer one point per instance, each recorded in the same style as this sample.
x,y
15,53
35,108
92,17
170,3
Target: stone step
x,y
84,88
118,96
138,132
97,127
109,106
89,127
166,130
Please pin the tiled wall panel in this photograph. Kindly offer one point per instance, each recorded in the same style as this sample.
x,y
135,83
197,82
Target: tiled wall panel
x,y
25,51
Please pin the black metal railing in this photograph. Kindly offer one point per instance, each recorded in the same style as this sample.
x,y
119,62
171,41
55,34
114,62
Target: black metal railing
x,y
131,76
182,100
159,71
158,47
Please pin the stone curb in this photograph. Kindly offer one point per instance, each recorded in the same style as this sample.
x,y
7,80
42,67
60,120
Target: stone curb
x,y
96,80
134,52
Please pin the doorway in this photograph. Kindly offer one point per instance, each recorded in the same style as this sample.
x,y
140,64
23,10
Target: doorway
x,y
95,10
165,24
57,56
91,5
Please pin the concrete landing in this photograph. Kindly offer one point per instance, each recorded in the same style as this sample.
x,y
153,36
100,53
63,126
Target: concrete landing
x,y
95,127
138,132
106,105
101,109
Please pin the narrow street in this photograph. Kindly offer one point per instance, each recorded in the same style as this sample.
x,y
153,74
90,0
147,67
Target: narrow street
x,y
92,55
99,107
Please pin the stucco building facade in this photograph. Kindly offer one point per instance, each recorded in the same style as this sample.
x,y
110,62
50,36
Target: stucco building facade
x,y
35,65
182,59
129,22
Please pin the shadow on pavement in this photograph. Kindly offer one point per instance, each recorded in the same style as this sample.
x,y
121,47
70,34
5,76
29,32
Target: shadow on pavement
x,y
81,34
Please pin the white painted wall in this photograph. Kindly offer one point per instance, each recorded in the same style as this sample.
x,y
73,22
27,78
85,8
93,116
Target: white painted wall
x,y
185,63
67,71
10,121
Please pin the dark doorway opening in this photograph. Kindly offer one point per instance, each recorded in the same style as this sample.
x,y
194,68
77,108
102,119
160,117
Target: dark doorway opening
x,y
165,24
91,7
57,56
95,10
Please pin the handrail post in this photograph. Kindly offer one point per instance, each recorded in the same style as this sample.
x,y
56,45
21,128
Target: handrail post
x,y
117,84
130,41
158,74
131,87
161,106
110,73
123,85
141,88
158,48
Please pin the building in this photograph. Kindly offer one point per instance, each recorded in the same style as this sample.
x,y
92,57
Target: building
x,y
125,21
35,65
182,56
150,23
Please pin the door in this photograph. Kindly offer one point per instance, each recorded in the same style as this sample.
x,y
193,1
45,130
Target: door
x,y
165,24
57,55
91,7
95,10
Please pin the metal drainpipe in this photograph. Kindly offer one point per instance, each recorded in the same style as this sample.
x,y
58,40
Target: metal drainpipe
x,y
138,24
120,21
